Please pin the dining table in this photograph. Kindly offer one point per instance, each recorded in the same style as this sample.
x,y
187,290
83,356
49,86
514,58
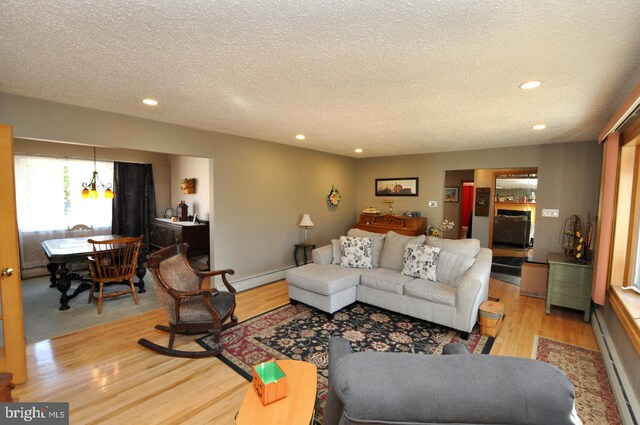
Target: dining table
x,y
61,253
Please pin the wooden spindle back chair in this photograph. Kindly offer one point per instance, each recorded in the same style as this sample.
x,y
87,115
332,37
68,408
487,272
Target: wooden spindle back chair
x,y
113,261
79,230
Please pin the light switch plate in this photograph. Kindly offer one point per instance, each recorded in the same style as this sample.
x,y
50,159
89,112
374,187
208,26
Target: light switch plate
x,y
550,213
433,204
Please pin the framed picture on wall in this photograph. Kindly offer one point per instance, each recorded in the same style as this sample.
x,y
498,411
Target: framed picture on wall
x,y
450,194
482,201
401,186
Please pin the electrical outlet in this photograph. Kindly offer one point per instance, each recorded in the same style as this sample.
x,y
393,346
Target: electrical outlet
x,y
550,213
433,204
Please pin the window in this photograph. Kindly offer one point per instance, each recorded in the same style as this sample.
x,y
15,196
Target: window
x,y
633,280
49,199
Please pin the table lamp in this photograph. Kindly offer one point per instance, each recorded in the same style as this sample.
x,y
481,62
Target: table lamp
x,y
306,223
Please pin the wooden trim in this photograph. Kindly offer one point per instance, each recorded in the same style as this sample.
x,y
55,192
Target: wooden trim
x,y
633,222
607,211
629,323
14,359
632,101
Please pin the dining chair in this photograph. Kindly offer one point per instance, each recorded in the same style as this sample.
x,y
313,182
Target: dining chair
x,y
79,230
113,261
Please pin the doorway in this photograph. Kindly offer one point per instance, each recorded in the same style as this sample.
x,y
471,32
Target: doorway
x,y
458,202
466,210
512,228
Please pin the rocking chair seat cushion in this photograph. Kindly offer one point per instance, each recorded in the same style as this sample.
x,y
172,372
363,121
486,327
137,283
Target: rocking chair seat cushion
x,y
193,310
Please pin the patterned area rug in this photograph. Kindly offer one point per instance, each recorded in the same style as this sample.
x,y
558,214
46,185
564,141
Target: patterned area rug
x,y
302,333
585,368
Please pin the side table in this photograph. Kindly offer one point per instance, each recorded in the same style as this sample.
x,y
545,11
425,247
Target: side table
x,y
295,408
304,247
569,284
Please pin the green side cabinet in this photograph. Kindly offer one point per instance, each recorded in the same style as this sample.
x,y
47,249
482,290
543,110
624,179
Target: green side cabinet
x,y
569,284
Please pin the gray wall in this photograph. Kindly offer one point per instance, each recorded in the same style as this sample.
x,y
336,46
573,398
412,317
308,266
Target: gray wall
x,y
261,189
569,180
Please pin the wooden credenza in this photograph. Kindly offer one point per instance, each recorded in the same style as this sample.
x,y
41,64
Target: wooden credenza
x,y
382,223
164,232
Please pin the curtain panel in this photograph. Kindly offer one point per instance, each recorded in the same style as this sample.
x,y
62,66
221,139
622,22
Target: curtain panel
x,y
134,204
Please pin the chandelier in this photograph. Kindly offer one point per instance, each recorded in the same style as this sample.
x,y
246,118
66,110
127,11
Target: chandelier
x,y
90,190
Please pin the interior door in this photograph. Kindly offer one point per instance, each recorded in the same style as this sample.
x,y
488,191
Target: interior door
x,y
13,350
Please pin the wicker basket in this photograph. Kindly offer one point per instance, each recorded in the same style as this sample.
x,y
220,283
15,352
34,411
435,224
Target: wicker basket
x,y
490,317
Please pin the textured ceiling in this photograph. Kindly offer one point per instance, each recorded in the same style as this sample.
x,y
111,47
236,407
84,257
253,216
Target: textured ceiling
x,y
389,77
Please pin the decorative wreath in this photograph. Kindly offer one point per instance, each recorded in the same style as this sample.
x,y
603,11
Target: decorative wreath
x,y
334,197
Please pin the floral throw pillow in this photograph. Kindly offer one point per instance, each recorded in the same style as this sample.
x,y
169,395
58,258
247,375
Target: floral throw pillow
x,y
356,252
421,261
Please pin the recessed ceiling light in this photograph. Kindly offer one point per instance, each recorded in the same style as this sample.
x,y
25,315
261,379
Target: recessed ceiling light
x,y
530,85
358,150
150,102
539,127
300,137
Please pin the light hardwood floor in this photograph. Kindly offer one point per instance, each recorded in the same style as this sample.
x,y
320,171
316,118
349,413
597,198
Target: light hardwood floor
x,y
109,379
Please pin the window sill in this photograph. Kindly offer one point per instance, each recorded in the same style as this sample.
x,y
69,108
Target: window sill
x,y
626,304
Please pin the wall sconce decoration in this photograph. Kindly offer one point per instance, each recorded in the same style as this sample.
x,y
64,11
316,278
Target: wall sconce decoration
x,y
334,197
306,223
90,190
188,186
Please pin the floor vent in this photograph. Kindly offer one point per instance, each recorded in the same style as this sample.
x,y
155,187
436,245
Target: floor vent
x,y
627,414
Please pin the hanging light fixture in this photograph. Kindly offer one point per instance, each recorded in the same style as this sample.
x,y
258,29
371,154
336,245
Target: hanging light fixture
x,y
90,190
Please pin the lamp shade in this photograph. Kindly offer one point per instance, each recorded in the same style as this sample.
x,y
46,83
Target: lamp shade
x,y
306,221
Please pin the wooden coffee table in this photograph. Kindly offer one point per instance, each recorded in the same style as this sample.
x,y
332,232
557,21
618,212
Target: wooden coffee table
x,y
295,409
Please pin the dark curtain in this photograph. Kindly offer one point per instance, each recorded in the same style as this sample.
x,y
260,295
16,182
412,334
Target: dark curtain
x,y
134,204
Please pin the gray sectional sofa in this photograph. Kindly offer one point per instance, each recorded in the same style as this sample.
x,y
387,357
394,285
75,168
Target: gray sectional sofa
x,y
452,300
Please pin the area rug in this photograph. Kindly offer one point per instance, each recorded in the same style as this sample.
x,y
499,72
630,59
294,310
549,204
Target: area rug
x,y
43,319
594,400
302,333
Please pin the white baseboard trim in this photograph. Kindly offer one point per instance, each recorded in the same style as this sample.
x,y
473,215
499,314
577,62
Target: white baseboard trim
x,y
258,280
627,407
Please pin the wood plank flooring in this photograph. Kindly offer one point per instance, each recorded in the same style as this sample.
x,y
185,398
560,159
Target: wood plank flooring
x,y
109,379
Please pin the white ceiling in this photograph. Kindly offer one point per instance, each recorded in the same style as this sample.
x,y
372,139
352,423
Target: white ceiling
x,y
391,77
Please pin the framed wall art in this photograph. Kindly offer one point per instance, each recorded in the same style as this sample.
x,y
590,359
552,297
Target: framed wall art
x,y
483,199
401,186
450,194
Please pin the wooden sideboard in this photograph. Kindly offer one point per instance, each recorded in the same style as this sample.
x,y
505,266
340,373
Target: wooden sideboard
x,y
382,223
163,232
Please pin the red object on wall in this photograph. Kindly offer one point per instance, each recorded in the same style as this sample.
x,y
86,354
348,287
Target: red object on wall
x,y
466,206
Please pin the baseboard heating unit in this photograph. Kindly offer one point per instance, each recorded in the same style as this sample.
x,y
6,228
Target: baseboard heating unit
x,y
627,406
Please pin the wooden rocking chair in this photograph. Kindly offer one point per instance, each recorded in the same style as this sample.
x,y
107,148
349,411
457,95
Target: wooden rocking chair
x,y
190,308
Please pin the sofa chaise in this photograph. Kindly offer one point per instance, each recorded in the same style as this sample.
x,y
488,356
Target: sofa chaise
x,y
451,299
